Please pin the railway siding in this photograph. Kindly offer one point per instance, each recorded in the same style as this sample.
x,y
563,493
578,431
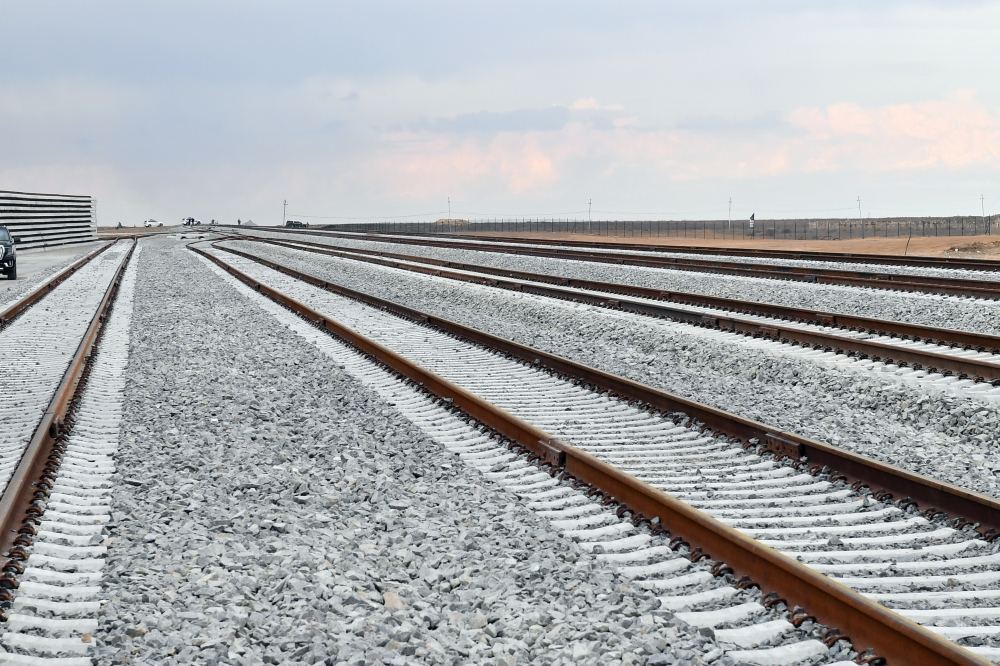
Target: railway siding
x,y
811,329
931,431
290,514
475,371
701,597
413,487
973,284
920,308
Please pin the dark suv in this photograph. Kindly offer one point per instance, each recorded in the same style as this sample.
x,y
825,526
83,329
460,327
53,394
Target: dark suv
x,y
8,256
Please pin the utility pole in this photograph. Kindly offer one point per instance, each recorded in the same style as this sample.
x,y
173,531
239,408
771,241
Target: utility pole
x,y
730,213
589,203
860,217
982,207
449,208
284,210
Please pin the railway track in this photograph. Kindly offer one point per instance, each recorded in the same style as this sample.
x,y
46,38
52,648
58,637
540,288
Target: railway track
x,y
916,350
971,288
924,549
60,423
750,632
963,263
12,309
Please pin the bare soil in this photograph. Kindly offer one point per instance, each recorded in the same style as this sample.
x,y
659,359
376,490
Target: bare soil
x,y
982,247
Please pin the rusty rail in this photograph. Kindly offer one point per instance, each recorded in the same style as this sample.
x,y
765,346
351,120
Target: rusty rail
x,y
894,281
929,494
868,624
906,330
976,369
21,492
42,290
924,261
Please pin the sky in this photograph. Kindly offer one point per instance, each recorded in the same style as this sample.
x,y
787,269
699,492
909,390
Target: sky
x,y
355,111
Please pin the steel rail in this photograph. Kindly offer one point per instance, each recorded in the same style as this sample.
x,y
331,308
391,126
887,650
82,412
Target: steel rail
x,y
867,624
39,292
906,330
25,487
883,479
980,370
892,281
924,261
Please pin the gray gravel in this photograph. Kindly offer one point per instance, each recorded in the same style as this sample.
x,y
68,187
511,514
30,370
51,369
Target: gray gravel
x,y
928,309
918,427
952,273
271,510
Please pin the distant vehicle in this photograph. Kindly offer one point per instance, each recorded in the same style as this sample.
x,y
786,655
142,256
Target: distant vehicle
x,y
296,224
191,222
8,255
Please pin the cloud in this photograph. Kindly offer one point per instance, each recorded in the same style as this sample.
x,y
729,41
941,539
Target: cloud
x,y
758,122
549,119
518,120
514,156
423,167
954,132
591,104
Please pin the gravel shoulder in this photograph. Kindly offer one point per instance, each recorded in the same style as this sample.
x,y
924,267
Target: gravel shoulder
x,y
269,510
917,427
927,309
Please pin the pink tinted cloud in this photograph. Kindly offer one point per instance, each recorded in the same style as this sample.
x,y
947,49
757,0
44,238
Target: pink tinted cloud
x,y
953,132
420,166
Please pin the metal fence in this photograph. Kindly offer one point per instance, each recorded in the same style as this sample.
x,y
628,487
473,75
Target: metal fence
x,y
39,220
832,229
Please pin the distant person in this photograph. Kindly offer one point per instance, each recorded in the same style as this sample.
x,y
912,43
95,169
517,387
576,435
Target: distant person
x,y
239,222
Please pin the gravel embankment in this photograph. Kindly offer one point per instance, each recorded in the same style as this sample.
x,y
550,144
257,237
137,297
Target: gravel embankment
x,y
915,426
927,309
271,510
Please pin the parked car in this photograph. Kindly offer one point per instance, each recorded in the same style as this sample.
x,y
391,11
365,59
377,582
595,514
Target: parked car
x,y
296,224
8,254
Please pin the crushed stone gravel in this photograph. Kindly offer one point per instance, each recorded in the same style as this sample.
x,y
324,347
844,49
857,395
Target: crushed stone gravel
x,y
949,437
271,510
978,315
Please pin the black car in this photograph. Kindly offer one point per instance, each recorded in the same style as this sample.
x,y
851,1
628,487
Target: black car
x,y
8,256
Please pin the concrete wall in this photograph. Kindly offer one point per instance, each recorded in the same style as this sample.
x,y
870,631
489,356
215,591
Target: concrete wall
x,y
38,220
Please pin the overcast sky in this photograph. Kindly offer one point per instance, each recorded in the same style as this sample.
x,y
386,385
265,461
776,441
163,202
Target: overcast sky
x,y
222,109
